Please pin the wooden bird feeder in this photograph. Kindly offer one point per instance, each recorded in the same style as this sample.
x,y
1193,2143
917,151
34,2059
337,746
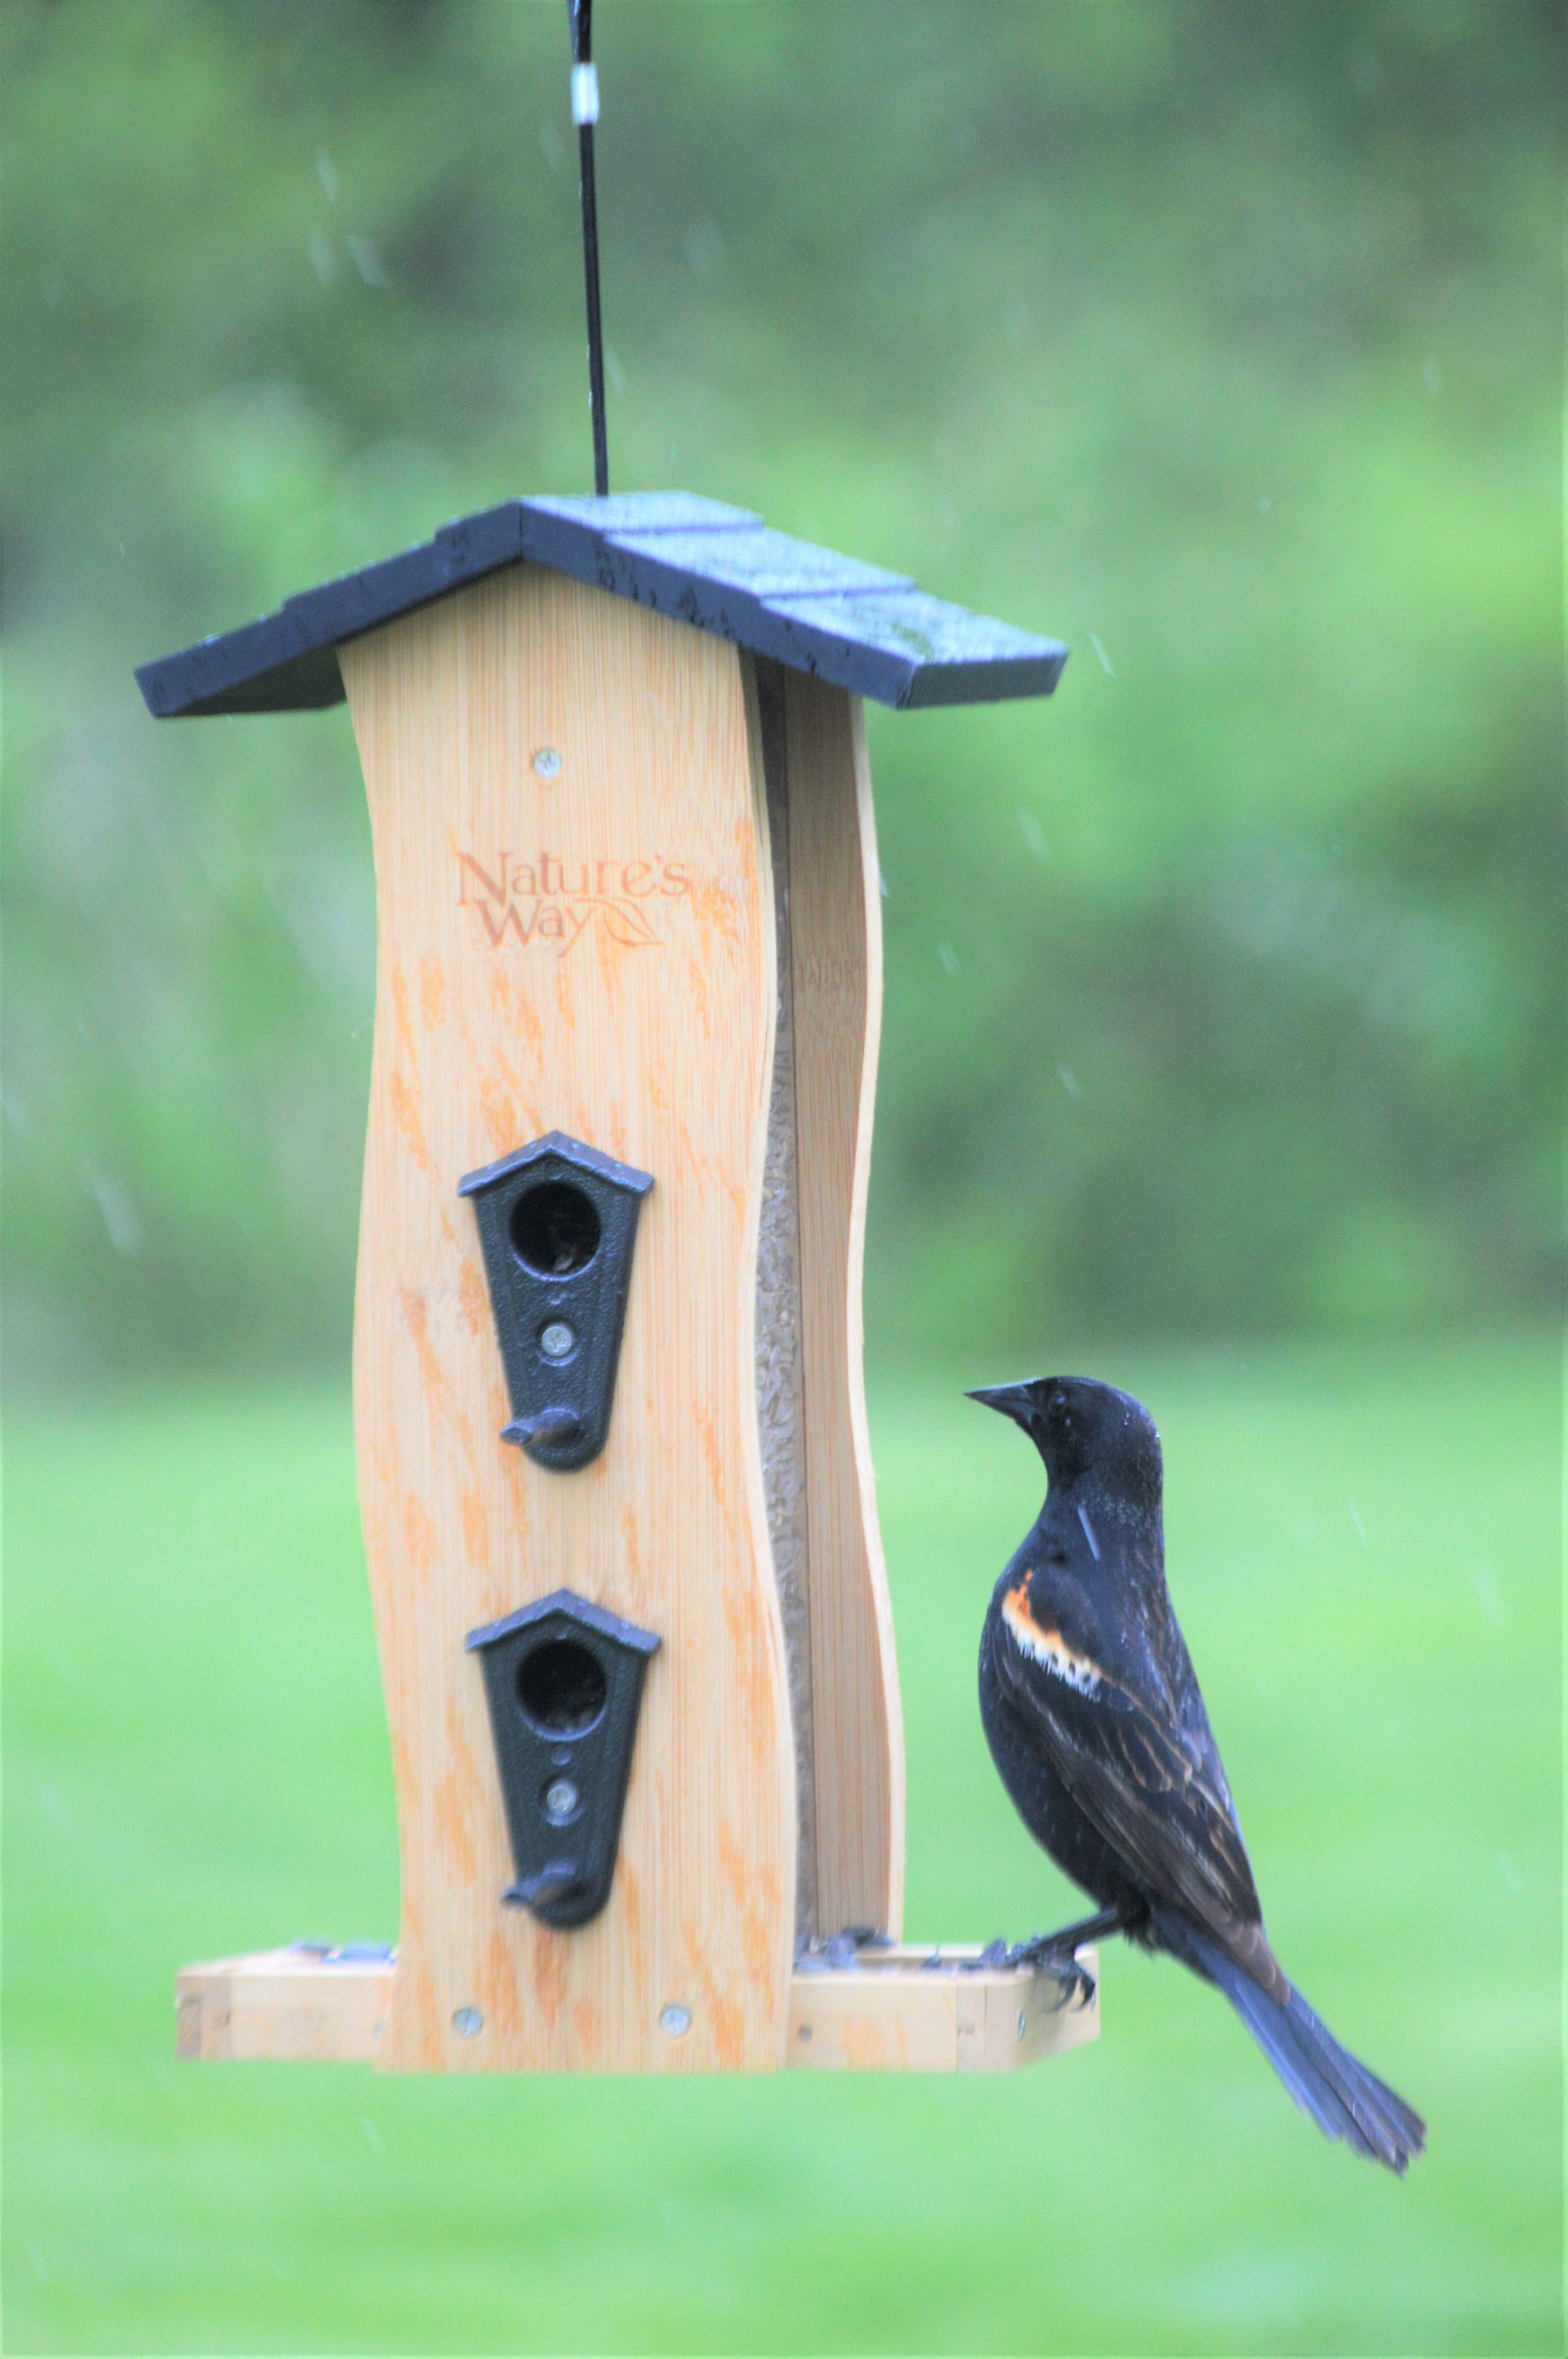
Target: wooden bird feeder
x,y
618,1502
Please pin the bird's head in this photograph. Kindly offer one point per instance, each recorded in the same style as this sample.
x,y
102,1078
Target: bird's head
x,y
1080,1426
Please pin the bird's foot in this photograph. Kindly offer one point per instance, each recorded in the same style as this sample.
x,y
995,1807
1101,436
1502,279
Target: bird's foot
x,y
1056,1954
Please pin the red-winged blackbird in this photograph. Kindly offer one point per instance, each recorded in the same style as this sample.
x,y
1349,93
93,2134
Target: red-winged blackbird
x,y
1094,1721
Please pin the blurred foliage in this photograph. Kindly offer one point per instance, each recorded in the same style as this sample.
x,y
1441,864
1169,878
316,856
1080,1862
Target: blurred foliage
x,y
1223,993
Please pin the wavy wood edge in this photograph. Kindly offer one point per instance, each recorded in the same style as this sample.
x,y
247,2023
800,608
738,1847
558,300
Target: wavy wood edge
x,y
836,957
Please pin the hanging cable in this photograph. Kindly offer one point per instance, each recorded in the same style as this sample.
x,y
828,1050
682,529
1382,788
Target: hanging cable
x,y
585,114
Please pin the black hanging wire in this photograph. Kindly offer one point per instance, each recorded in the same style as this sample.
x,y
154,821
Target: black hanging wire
x,y
585,114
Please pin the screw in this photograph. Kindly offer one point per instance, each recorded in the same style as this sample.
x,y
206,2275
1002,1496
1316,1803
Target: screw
x,y
547,763
676,2020
468,2022
560,1801
558,1341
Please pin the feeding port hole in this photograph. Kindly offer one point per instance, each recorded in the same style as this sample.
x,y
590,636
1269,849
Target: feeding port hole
x,y
561,1688
555,1229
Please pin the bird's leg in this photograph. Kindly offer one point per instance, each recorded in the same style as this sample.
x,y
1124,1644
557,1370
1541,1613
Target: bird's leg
x,y
1041,1946
1060,1951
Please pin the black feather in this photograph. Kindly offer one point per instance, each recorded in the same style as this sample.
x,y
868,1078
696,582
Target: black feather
x,y
1343,2097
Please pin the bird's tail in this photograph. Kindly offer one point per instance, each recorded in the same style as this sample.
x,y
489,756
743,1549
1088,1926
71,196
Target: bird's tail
x,y
1344,2099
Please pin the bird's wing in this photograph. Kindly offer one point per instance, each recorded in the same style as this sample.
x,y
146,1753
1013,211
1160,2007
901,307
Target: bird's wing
x,y
1141,1780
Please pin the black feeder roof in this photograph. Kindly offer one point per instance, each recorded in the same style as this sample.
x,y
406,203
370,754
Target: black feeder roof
x,y
717,567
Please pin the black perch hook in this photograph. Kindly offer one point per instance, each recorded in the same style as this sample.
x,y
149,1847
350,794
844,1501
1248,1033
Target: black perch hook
x,y
585,114
564,1680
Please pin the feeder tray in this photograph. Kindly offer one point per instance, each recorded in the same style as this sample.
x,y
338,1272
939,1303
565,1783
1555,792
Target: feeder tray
x,y
309,2005
607,1350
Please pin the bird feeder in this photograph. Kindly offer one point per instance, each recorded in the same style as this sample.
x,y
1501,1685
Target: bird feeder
x,y
634,1629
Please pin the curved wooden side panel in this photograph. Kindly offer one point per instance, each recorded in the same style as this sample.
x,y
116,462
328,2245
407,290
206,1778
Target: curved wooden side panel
x,y
835,924
576,933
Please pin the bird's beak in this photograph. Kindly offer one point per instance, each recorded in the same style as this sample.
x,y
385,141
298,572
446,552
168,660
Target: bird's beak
x,y
1015,1401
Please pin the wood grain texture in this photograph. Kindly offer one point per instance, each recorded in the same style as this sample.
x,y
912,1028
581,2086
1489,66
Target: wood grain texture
x,y
889,2014
282,2007
591,951
835,904
892,2014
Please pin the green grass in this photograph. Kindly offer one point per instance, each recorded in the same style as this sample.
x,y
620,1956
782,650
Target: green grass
x,y
196,1763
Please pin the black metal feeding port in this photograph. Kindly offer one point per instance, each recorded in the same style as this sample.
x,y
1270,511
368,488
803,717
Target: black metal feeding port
x,y
564,1680
558,1221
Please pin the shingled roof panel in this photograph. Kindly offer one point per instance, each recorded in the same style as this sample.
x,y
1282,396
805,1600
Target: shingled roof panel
x,y
769,564
716,567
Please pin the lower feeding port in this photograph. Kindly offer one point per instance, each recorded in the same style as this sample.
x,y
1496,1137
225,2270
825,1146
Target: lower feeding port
x,y
564,1683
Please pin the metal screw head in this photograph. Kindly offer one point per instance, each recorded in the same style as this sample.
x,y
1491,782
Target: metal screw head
x,y
561,1798
547,763
558,1341
674,2020
468,2022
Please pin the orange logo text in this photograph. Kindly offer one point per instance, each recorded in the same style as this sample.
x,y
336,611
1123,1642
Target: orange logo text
x,y
523,900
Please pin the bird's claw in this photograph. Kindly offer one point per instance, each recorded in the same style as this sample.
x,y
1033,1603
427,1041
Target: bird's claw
x,y
1045,1953
1042,1953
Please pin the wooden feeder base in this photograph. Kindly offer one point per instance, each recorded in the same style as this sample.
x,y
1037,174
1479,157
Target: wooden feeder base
x,y
891,2013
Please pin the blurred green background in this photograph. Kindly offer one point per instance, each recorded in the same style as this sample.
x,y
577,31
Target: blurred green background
x,y
1222,342
199,1764
1222,1055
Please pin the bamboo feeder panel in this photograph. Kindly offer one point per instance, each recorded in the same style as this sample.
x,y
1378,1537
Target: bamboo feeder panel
x,y
635,1636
